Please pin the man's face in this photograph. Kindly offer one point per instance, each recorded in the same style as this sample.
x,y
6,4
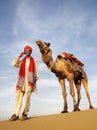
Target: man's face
x,y
28,52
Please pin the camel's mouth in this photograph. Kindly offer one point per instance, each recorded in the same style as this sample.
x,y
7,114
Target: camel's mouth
x,y
38,42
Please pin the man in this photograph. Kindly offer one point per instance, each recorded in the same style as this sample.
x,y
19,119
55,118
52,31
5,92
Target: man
x,y
26,82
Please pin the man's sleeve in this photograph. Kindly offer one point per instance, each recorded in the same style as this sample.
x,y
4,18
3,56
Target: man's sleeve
x,y
16,62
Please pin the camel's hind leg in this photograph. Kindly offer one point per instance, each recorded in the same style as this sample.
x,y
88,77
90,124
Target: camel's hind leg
x,y
85,84
62,83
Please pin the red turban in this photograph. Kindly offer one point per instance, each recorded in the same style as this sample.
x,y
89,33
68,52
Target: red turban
x,y
27,47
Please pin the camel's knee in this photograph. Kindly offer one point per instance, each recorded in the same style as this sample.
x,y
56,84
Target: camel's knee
x,y
64,94
72,93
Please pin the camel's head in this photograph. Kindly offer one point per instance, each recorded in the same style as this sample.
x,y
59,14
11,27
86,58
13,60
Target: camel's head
x,y
45,51
43,46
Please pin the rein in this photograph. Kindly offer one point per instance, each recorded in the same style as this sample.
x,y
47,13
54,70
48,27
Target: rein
x,y
46,50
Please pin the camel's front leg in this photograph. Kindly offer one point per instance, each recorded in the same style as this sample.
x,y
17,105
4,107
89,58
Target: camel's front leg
x,y
72,92
62,83
78,88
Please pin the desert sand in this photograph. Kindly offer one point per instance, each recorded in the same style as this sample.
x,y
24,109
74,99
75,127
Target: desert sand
x,y
83,120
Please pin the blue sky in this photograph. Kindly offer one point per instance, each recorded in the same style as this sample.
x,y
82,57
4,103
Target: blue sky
x,y
69,25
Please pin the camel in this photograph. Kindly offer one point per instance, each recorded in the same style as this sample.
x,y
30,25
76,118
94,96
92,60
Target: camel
x,y
63,70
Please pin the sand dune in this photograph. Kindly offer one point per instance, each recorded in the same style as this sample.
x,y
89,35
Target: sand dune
x,y
83,120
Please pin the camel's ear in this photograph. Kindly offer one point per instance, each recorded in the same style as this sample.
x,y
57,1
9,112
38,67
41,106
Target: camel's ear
x,y
48,44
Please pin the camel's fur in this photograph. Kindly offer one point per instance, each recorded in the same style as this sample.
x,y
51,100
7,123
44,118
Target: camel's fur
x,y
62,70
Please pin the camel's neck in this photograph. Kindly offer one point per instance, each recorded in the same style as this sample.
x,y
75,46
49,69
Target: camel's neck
x,y
50,64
